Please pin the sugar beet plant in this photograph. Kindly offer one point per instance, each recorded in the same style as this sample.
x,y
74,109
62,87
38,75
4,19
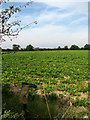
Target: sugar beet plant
x,y
65,71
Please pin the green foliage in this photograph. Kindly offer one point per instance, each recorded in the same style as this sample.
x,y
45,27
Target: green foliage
x,y
29,48
65,47
53,96
8,115
74,47
59,48
61,95
16,47
87,47
70,67
6,91
65,71
82,102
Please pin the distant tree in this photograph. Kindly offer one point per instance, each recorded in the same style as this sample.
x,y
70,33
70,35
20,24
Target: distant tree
x,y
22,49
74,47
87,47
65,47
59,48
16,47
30,48
8,49
37,49
82,48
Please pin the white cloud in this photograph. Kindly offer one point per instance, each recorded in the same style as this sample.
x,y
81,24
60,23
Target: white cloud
x,y
53,17
79,20
59,3
50,36
53,36
27,19
49,16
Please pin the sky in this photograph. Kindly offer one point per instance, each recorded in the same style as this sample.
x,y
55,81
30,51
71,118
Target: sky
x,y
59,24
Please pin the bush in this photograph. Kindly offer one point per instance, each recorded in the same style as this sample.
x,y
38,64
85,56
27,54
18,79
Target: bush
x,y
9,115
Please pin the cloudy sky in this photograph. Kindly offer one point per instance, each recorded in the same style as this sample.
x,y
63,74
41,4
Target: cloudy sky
x,y
59,24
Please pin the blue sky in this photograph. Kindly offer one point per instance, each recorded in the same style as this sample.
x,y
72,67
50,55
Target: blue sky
x,y
59,24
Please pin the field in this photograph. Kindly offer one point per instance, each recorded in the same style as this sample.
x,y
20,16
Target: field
x,y
60,76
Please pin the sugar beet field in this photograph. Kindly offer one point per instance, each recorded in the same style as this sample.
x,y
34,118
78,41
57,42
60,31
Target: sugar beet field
x,y
61,78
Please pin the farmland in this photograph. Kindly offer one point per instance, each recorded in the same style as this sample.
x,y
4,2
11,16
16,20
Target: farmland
x,y
58,74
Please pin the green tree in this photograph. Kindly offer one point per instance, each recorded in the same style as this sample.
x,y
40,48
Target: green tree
x,y
65,47
37,49
87,47
59,48
82,48
16,47
30,48
74,47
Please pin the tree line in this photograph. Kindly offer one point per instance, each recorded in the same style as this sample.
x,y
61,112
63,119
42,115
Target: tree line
x,y
31,48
